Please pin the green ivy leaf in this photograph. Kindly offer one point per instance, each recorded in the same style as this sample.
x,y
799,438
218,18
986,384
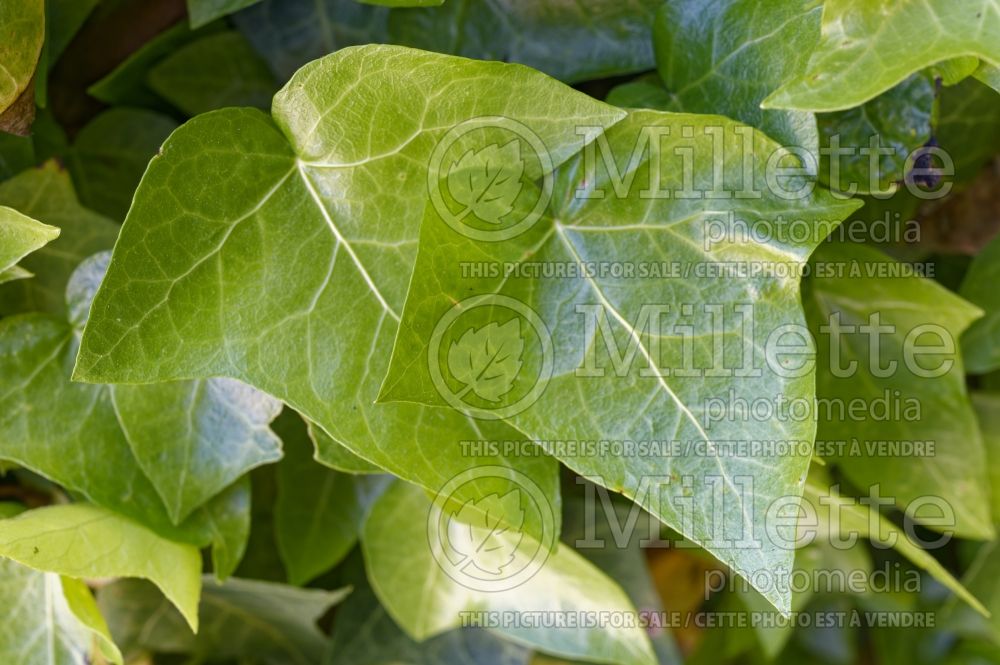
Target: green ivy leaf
x,y
225,436
313,191
213,72
945,417
365,634
867,48
82,604
241,619
486,361
858,519
17,153
82,444
642,92
426,602
80,540
23,24
318,511
335,455
46,194
901,120
603,405
49,620
404,3
979,343
290,33
989,74
488,181
228,517
726,56
110,154
620,553
216,430
987,407
19,236
968,127
63,18
571,41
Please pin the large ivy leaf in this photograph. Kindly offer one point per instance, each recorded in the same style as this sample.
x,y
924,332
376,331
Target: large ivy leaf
x,y
365,634
213,72
109,155
333,187
22,31
49,620
726,56
928,408
81,442
425,601
980,349
46,194
80,540
318,511
241,619
868,47
593,393
19,236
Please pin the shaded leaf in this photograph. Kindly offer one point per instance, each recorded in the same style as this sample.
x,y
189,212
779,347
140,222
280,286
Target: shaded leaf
x,y
928,394
726,56
110,154
262,621
211,73
318,511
